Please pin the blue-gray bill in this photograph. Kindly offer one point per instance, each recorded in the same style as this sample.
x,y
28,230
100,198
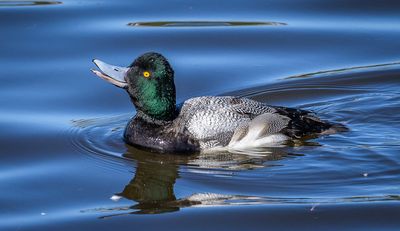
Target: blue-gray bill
x,y
111,73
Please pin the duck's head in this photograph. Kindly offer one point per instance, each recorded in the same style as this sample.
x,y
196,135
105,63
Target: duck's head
x,y
149,81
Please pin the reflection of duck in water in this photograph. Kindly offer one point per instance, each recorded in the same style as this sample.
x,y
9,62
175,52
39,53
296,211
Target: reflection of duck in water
x,y
153,184
202,123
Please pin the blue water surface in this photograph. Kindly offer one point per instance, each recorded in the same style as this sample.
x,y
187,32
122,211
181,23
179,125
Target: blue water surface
x,y
64,165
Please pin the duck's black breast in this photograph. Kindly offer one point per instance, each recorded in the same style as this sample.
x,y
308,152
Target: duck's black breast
x,y
164,137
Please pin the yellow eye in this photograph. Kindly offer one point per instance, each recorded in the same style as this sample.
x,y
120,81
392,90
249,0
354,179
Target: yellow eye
x,y
146,74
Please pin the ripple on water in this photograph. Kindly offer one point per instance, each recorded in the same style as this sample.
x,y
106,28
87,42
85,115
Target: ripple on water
x,y
102,138
357,166
27,3
203,24
153,183
200,200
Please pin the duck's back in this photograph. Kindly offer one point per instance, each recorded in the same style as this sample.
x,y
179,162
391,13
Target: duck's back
x,y
226,120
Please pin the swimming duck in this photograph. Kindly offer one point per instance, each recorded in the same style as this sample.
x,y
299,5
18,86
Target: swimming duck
x,y
204,123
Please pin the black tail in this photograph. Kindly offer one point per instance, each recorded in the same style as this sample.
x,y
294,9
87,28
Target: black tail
x,y
304,123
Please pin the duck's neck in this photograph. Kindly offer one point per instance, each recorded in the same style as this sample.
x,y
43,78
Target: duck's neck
x,y
155,120
156,100
156,109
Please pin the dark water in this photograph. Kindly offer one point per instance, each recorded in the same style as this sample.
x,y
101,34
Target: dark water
x,y
61,149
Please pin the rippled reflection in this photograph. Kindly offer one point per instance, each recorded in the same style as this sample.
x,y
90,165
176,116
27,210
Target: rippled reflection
x,y
152,189
203,23
28,3
152,186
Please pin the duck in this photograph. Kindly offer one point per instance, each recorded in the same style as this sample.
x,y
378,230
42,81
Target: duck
x,y
204,123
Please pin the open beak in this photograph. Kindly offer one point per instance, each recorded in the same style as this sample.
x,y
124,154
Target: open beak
x,y
113,74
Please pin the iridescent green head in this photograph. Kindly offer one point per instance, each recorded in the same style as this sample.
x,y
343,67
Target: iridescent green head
x,y
149,81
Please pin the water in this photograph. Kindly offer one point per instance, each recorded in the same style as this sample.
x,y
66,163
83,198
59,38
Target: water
x,y
64,165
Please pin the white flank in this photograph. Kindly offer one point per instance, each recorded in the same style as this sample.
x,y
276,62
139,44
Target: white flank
x,y
253,141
